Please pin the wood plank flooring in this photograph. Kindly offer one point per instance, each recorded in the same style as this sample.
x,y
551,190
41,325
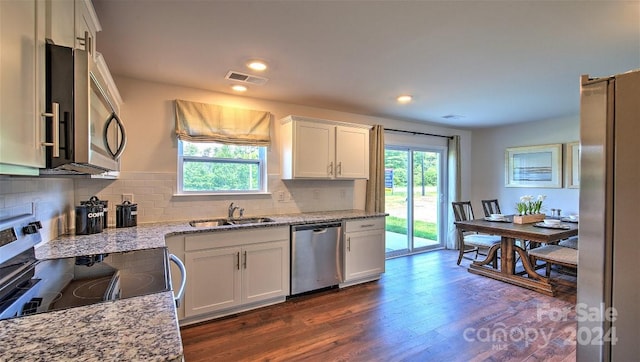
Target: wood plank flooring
x,y
425,308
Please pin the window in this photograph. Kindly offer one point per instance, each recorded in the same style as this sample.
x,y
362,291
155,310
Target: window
x,y
220,168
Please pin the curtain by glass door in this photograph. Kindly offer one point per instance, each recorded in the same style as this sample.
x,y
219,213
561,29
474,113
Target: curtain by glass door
x,y
413,199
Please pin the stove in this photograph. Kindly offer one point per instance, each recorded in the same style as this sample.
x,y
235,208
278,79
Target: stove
x,y
29,286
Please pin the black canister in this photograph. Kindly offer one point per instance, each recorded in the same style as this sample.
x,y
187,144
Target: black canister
x,y
126,215
105,208
89,219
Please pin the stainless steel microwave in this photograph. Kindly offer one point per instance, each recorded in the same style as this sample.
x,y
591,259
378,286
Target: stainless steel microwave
x,y
85,135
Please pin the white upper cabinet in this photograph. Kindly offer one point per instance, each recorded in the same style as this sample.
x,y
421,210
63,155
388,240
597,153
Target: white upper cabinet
x,y
86,26
352,152
319,149
72,23
22,34
60,24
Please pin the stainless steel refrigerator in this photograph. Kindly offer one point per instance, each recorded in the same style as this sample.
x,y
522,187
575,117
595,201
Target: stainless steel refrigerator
x,y
608,299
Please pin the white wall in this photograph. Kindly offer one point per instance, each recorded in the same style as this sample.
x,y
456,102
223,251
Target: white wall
x,y
150,159
488,168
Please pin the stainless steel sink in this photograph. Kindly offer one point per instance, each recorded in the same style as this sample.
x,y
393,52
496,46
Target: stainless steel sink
x,y
208,223
249,220
222,222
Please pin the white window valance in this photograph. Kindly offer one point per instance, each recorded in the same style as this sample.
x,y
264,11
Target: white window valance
x,y
201,122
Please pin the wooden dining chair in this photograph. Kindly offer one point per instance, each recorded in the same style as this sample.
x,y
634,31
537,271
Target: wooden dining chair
x,y
471,242
491,207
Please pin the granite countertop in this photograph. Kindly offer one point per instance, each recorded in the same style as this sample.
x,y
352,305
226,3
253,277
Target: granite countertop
x,y
148,236
138,328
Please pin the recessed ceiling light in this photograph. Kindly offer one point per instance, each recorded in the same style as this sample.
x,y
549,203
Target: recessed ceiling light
x,y
404,99
258,65
239,88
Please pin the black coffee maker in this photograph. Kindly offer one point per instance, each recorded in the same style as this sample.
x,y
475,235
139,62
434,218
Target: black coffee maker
x,y
126,214
89,218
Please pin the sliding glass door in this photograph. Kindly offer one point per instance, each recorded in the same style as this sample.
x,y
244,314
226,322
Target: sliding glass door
x,y
413,199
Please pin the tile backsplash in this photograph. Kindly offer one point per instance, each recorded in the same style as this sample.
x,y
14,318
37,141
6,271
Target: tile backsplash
x,y
53,200
155,194
50,199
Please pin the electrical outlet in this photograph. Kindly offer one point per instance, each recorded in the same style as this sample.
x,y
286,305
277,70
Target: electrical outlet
x,y
127,197
280,195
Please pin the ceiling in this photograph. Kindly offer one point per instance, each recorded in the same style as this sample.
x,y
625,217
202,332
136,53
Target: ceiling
x,y
486,63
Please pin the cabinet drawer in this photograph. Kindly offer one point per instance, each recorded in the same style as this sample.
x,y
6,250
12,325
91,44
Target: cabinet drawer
x,y
365,224
235,237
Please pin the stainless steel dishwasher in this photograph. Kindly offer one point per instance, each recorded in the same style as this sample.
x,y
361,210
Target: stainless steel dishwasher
x,y
316,257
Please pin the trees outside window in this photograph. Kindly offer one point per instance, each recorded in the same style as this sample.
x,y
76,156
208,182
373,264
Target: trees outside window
x,y
214,167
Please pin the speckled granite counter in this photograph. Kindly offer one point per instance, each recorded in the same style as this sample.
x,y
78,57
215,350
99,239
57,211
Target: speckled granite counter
x,y
135,329
147,236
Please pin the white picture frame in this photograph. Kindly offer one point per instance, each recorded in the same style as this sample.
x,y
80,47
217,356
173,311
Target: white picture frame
x,y
534,166
572,165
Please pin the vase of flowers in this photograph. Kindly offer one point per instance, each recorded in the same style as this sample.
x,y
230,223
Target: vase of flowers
x,y
529,209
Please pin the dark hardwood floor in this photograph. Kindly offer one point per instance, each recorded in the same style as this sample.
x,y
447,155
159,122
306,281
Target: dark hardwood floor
x,y
425,308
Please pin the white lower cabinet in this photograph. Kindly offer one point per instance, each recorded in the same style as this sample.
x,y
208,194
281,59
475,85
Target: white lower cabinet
x,y
364,257
232,271
213,280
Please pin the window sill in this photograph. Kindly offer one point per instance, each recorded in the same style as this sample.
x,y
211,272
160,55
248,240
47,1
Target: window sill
x,y
251,193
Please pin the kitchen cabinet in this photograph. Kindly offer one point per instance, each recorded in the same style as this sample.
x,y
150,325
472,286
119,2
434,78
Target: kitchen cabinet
x,y
364,250
22,67
232,271
86,26
320,149
60,23
72,23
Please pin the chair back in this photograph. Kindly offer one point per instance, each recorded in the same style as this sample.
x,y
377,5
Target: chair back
x,y
490,207
462,210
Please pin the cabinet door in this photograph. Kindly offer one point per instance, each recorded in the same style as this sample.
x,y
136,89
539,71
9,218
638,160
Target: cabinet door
x,y
265,271
213,280
364,255
60,22
313,150
352,152
22,87
86,26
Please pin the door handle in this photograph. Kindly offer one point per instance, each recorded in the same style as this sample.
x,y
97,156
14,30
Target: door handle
x,y
331,168
183,279
245,259
55,126
339,169
238,260
116,155
349,244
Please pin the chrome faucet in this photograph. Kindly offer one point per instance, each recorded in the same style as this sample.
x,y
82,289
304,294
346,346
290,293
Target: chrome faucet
x,y
232,210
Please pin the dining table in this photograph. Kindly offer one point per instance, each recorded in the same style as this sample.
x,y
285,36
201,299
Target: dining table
x,y
508,251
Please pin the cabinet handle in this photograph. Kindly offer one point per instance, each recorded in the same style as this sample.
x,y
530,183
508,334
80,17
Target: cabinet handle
x,y
349,244
86,41
238,260
331,168
339,168
245,259
367,225
55,124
